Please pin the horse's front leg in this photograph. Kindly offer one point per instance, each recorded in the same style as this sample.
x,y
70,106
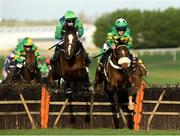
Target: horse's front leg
x,y
131,103
116,108
68,89
131,93
98,86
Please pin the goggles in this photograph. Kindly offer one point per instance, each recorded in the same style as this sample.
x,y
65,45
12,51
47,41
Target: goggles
x,y
71,20
27,46
121,29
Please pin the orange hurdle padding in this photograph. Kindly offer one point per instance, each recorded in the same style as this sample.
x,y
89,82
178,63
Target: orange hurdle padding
x,y
46,113
45,101
138,107
43,98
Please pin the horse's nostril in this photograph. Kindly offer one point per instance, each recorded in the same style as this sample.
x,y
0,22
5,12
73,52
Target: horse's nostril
x,y
124,62
125,65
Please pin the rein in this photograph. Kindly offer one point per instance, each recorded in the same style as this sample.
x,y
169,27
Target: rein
x,y
113,65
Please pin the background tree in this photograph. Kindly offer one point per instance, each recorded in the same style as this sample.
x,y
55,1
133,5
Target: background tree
x,y
151,29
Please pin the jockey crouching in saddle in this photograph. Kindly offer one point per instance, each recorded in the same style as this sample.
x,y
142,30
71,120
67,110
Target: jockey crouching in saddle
x,y
9,64
119,34
69,20
25,45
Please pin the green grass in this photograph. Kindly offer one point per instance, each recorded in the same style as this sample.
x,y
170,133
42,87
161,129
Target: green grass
x,y
101,131
162,69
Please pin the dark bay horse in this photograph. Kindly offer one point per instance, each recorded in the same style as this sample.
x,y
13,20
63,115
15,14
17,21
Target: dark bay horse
x,y
117,73
136,78
71,61
29,70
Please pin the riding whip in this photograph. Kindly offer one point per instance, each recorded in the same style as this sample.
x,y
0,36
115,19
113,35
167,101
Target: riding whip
x,y
58,43
99,55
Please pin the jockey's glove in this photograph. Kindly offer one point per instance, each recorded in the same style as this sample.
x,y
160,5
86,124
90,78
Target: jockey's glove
x,y
113,46
78,36
19,65
22,58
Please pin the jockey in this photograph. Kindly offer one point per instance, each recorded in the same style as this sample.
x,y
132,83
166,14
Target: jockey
x,y
45,67
68,20
9,63
45,72
119,34
48,63
22,46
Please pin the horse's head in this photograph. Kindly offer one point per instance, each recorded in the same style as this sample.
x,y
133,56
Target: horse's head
x,y
70,42
139,71
141,68
123,55
30,61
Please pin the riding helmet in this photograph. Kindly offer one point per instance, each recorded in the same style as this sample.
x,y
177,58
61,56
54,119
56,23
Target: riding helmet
x,y
28,41
121,24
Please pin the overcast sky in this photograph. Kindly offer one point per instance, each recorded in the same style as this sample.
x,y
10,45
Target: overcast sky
x,y
54,9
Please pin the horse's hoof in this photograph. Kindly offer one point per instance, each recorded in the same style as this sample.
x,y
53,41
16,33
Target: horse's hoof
x,y
117,115
106,95
68,91
86,93
56,91
131,107
92,92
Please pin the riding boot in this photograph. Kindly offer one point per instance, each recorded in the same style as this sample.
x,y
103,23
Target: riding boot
x,y
87,60
16,73
54,68
54,63
104,58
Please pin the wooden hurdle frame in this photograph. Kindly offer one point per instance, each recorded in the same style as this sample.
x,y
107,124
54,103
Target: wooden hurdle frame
x,y
45,109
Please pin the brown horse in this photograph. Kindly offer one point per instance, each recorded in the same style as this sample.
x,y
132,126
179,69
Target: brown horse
x,y
71,61
117,73
139,71
29,70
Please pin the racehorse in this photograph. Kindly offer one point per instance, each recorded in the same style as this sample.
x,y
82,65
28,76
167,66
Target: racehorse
x,y
29,70
117,73
71,60
139,71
